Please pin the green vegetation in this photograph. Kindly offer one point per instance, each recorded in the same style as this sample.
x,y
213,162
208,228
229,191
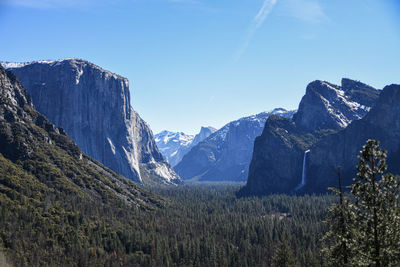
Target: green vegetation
x,y
196,226
364,227
214,228
55,211
284,256
200,226
59,207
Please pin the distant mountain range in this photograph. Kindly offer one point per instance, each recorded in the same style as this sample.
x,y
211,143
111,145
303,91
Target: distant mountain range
x,y
331,126
93,106
225,155
174,145
279,151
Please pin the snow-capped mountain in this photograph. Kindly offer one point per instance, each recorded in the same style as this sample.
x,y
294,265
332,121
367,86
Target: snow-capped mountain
x,y
225,155
330,106
174,145
325,112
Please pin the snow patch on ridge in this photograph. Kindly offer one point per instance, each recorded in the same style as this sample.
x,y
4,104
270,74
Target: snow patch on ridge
x,y
175,145
260,118
9,65
78,76
350,109
165,137
53,63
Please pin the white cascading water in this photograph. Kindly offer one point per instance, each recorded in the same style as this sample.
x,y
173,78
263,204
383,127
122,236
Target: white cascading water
x,y
303,174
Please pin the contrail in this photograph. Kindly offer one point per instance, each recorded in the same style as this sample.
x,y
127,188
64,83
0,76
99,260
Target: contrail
x,y
256,23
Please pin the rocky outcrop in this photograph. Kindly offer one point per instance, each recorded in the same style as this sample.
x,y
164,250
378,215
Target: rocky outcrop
x,y
341,149
277,162
225,155
329,106
93,106
278,154
51,164
203,134
174,145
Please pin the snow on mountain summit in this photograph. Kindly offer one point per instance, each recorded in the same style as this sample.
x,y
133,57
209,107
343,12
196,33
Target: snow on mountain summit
x,y
174,145
225,155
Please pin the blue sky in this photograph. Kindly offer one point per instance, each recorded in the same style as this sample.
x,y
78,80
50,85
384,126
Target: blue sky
x,y
195,63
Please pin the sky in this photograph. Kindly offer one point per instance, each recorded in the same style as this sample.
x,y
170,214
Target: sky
x,y
194,63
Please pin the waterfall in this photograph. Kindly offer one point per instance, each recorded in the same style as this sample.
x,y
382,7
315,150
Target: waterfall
x,y
303,174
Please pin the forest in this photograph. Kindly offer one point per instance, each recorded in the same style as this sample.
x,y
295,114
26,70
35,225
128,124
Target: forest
x,y
199,226
203,225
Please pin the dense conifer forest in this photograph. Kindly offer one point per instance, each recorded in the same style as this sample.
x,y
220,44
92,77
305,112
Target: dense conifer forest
x,y
198,226
214,228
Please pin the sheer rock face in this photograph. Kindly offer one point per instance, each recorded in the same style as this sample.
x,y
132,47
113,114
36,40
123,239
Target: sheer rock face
x,y
329,106
203,134
50,160
341,149
93,106
276,165
225,155
274,161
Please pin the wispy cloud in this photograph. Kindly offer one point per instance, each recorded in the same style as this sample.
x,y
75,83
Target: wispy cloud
x,y
306,10
263,13
256,23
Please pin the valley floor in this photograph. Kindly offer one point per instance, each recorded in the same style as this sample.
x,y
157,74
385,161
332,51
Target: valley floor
x,y
201,225
207,225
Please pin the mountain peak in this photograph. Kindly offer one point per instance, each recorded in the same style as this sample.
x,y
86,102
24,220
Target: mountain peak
x,y
28,136
206,130
174,145
76,63
225,155
349,84
325,111
93,106
329,106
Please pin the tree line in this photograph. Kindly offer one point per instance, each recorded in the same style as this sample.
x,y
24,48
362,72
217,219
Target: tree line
x,y
205,225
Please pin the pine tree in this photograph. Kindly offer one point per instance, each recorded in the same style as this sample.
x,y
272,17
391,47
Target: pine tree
x,y
339,240
284,256
364,227
376,208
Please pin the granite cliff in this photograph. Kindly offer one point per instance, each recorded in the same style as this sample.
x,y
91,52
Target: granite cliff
x,y
93,106
329,106
341,149
46,157
52,195
279,153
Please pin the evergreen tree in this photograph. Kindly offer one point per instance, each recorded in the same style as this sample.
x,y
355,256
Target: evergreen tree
x,y
284,256
339,240
375,206
364,228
